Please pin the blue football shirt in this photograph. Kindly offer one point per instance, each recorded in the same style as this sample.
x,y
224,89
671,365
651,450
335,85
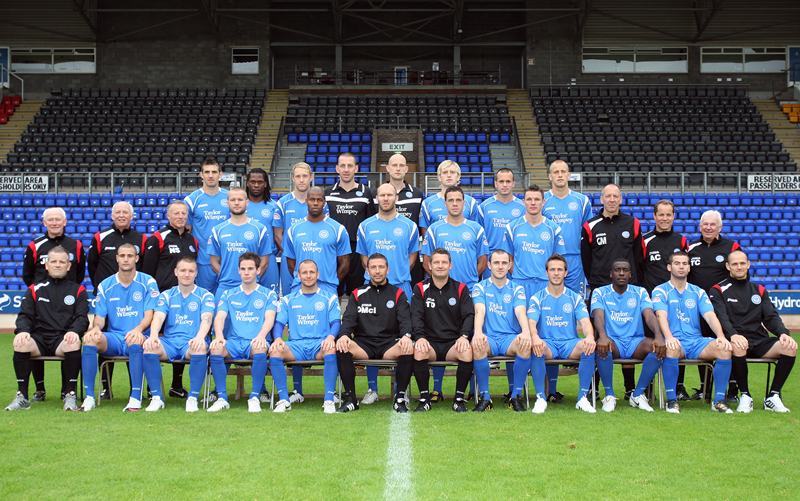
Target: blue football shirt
x,y
531,246
495,216
622,312
684,309
569,213
264,213
434,209
184,314
229,241
124,307
323,242
205,212
465,242
396,239
245,311
557,317
500,303
309,316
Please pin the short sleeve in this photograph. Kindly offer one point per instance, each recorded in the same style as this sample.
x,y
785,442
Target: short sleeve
x,y
535,308
660,302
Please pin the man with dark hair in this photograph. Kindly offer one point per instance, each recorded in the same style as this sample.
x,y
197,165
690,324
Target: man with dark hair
x,y
748,317
261,207
376,325
442,317
500,209
53,316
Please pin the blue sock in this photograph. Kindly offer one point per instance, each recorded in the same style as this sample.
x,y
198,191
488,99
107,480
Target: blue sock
x,y
372,378
650,366
329,374
278,370
481,368
259,372
670,368
605,366
89,369
539,374
135,359
521,367
552,379
438,376
585,374
297,378
220,373
510,376
197,374
152,370
722,375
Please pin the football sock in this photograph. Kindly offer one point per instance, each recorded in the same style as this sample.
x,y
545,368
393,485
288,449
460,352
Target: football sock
x,y
628,375
177,375
422,375
37,371
135,370
152,370
220,373
722,375
89,368
681,376
278,370
670,369
739,371
347,371
438,376
329,375
605,366
482,374
70,368
197,374
372,378
510,376
521,366
405,367
585,374
782,370
650,366
259,371
297,378
552,379
539,374
463,375
22,367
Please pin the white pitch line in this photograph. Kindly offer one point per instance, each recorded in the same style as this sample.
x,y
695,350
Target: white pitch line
x,y
399,459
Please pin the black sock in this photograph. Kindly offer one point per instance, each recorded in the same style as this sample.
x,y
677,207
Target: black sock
x,y
629,375
463,375
701,370
107,374
782,370
405,367
177,376
347,372
22,367
422,374
70,368
681,376
739,371
37,370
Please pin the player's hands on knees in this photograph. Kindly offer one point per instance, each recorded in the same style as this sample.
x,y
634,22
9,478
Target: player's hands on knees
x,y
72,338
134,337
462,345
524,341
673,344
480,341
343,344
197,344
277,346
258,344
739,342
603,345
152,343
787,341
218,343
659,347
406,345
422,345
329,343
22,339
537,345
723,344
588,346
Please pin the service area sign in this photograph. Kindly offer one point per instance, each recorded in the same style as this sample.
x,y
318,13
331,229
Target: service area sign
x,y
773,182
20,184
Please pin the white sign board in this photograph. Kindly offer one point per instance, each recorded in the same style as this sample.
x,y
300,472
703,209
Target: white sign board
x,y
397,147
24,183
777,182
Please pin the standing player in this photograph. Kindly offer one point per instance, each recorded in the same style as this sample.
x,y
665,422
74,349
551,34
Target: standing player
x,y
208,206
251,308
103,251
409,198
376,325
499,210
748,317
320,239
313,317
617,311
679,306
532,239
123,313
443,320
185,312
501,328
53,316
434,208
554,315
290,210
261,207
349,204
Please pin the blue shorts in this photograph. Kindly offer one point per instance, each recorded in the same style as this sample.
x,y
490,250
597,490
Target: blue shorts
x,y
627,347
272,277
238,348
206,278
562,348
305,349
532,286
175,348
498,345
116,346
694,346
575,280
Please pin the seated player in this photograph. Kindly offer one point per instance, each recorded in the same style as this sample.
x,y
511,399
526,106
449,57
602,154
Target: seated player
x,y
313,318
123,313
617,311
250,309
679,306
376,325
554,314
442,318
748,317
501,328
185,312
53,316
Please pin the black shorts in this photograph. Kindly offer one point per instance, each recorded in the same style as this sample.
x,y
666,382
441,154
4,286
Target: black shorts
x,y
441,348
759,346
47,345
375,348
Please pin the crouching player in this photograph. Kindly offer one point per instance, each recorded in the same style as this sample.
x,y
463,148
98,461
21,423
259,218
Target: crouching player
x,y
617,312
501,328
185,312
52,318
679,306
376,325
314,318
554,314
123,313
251,308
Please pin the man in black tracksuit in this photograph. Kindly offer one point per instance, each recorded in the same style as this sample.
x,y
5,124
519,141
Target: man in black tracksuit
x,y
659,244
376,325
103,251
53,316
349,204
748,317
443,317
